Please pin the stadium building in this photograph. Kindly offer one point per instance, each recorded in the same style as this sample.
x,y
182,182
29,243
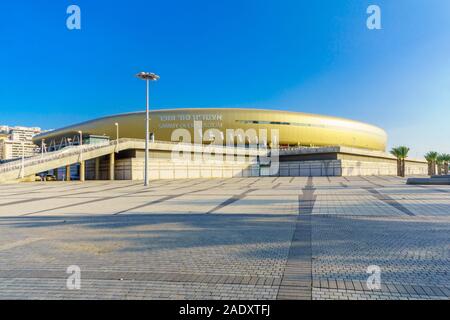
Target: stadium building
x,y
295,129
309,144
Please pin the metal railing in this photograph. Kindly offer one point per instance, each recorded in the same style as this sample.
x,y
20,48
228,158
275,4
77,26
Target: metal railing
x,y
50,156
79,150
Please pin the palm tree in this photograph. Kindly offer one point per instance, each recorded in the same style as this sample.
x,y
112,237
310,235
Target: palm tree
x,y
401,153
445,161
431,158
396,153
440,163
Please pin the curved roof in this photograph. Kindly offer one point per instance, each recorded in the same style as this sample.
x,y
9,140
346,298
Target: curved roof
x,y
295,128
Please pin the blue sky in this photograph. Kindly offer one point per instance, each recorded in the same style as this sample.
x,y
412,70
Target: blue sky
x,y
311,56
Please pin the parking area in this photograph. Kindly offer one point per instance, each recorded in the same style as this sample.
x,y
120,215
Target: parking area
x,y
238,238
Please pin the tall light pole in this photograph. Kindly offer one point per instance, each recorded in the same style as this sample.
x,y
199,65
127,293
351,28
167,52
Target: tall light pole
x,y
42,148
117,137
81,145
147,77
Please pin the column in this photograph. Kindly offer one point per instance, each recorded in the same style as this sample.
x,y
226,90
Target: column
x,y
56,173
82,170
68,172
97,168
111,166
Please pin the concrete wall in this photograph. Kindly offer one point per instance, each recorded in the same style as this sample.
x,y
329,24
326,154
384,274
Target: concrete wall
x,y
129,162
130,166
348,168
413,168
170,170
122,169
310,168
133,169
388,168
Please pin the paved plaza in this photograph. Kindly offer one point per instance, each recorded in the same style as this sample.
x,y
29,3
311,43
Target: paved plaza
x,y
238,238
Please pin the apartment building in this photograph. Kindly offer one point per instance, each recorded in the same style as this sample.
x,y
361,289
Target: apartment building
x,y
17,141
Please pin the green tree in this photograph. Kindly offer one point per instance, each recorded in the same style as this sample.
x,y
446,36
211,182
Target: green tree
x,y
396,153
431,158
445,162
401,153
440,163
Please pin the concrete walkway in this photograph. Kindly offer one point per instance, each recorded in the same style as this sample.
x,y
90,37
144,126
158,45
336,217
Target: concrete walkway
x,y
239,238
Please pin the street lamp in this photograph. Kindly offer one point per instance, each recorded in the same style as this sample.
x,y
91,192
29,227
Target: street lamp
x,y
80,137
147,77
117,137
42,148
81,145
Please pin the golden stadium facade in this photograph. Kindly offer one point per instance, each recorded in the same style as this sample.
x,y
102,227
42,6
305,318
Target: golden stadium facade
x,y
295,128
